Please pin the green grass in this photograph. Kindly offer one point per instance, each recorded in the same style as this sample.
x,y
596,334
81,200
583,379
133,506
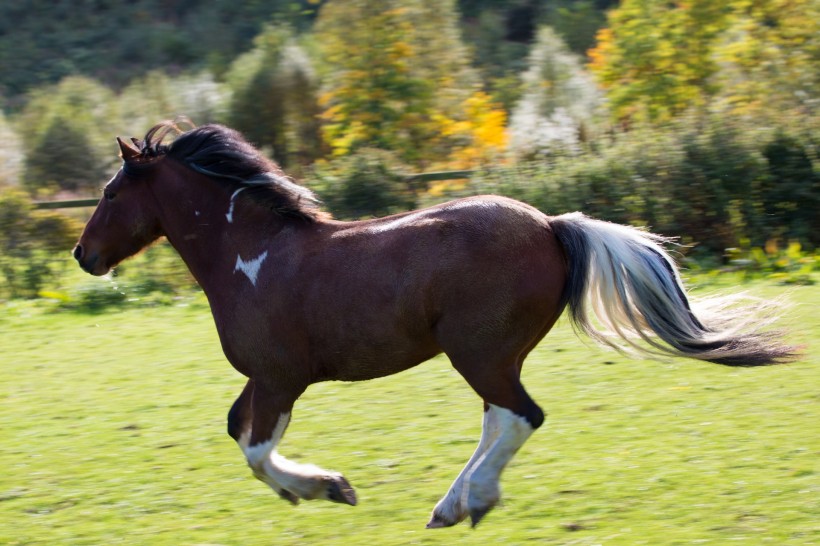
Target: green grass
x,y
113,432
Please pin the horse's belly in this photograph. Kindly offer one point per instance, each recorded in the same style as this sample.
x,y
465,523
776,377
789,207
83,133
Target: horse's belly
x,y
357,357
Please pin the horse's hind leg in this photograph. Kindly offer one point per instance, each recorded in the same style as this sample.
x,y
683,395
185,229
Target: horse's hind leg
x,y
452,508
510,418
270,414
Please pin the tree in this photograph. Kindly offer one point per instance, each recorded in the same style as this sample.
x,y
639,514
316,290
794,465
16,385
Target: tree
x,y
157,96
373,97
769,56
41,41
560,100
275,102
63,159
11,154
655,58
66,131
399,78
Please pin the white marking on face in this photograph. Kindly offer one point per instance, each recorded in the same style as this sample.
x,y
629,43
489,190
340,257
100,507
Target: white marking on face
x,y
229,214
251,267
196,213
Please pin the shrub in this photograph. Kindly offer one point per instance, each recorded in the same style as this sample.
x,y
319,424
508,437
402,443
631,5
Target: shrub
x,y
790,195
155,277
66,131
63,159
370,182
31,242
789,265
713,182
275,98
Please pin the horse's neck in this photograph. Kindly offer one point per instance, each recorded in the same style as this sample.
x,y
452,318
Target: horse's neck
x,y
222,240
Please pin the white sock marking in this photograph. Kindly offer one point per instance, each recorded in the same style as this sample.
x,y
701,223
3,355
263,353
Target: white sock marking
x,y
484,476
453,506
251,267
304,480
259,455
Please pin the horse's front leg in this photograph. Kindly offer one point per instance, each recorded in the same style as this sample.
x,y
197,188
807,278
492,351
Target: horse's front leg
x,y
268,413
240,420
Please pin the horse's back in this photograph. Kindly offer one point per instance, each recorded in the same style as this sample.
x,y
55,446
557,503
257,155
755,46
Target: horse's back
x,y
501,290
379,296
481,272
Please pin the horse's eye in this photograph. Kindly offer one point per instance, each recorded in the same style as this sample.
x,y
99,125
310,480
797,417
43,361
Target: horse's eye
x,y
109,195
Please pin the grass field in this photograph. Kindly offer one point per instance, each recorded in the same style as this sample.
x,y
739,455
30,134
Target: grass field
x,y
113,432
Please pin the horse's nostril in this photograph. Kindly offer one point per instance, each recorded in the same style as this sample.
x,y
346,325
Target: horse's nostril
x,y
78,252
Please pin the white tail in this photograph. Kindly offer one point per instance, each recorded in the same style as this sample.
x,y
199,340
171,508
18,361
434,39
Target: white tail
x,y
634,289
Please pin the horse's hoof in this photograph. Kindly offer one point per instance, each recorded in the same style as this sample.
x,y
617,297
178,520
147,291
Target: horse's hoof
x,y
339,490
288,496
477,514
438,522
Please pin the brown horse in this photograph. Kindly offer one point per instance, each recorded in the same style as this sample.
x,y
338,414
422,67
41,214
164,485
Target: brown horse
x,y
300,298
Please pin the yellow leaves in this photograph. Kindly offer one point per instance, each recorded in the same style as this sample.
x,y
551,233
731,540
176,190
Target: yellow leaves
x,y
600,55
480,136
342,139
658,59
443,187
331,112
401,50
398,83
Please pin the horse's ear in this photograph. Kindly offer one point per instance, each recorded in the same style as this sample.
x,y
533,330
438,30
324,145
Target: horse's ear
x,y
127,152
137,142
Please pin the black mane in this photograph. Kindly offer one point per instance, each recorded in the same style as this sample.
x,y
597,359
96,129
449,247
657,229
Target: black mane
x,y
224,154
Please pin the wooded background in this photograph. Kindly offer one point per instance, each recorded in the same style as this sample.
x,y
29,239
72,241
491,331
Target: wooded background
x,y
696,118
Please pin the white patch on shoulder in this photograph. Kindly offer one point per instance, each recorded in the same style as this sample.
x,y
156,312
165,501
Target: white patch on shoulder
x,y
229,214
251,267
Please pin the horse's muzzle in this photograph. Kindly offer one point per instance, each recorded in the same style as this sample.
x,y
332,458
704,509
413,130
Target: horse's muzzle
x,y
87,263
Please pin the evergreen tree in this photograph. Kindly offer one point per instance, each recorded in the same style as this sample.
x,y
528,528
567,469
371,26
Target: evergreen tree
x,y
275,101
66,131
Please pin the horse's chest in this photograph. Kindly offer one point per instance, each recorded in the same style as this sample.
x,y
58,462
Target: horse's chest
x,y
252,346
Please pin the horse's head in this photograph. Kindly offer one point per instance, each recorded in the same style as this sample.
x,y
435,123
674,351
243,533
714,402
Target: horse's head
x,y
126,219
